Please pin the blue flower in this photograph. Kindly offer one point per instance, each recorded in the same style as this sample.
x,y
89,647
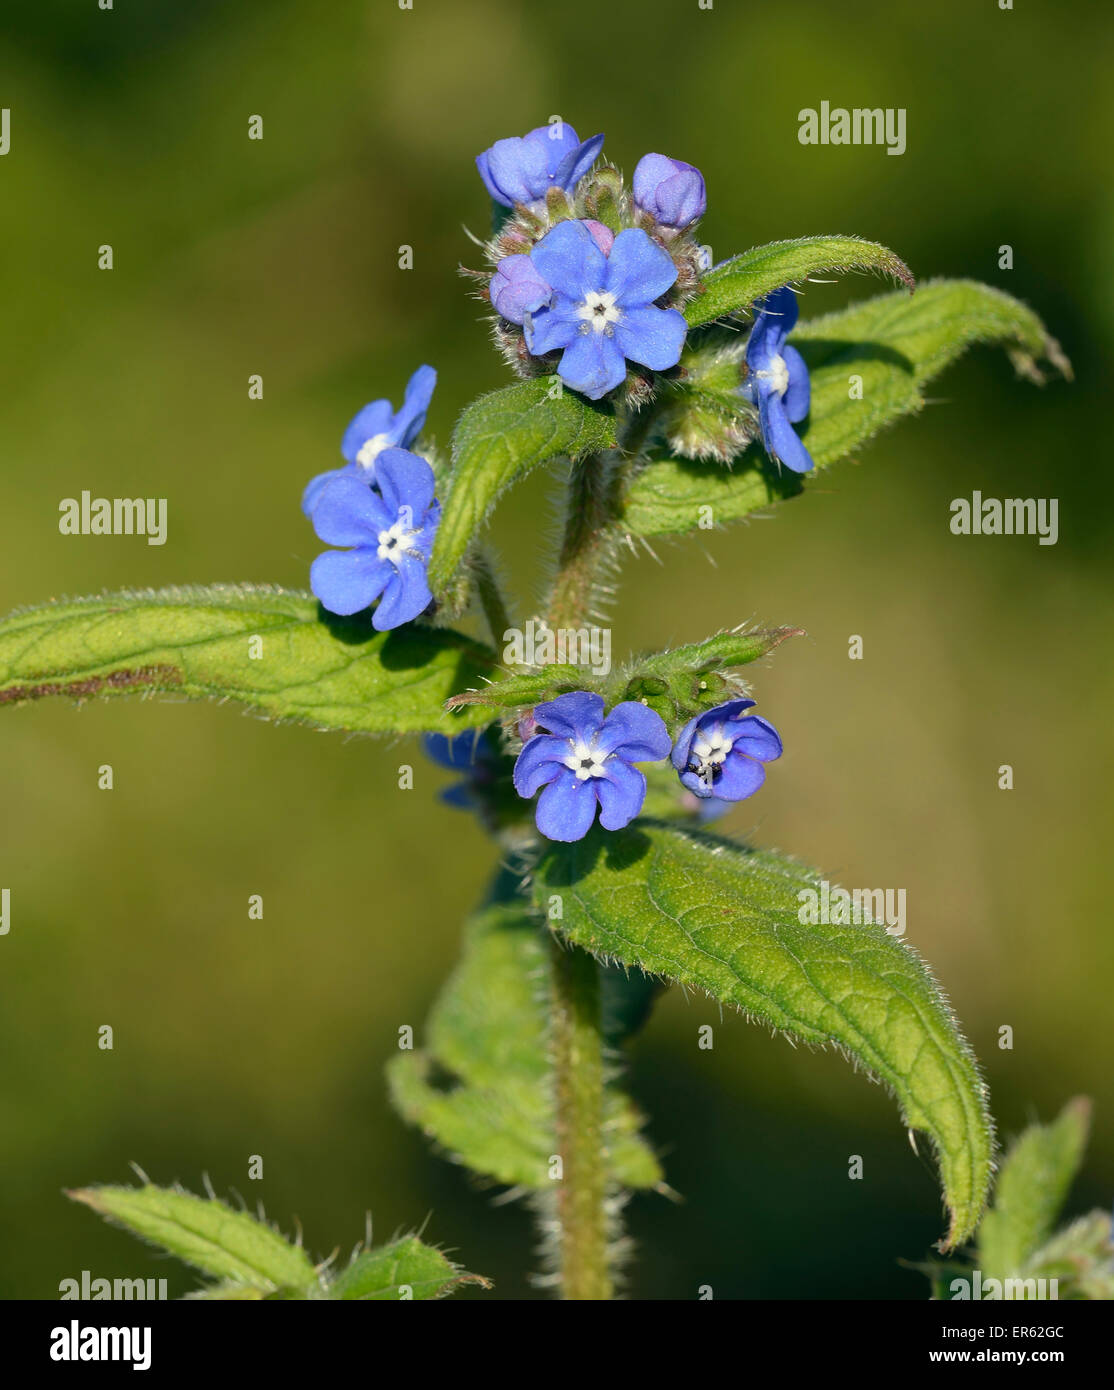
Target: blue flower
x,y
670,190
391,534
720,753
522,169
375,428
583,758
472,752
778,381
602,312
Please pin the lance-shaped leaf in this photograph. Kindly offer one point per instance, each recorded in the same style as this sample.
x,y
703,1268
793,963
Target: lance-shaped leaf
x,y
706,913
529,688
1032,1186
274,650
893,346
482,1089
404,1269
735,285
232,1246
498,439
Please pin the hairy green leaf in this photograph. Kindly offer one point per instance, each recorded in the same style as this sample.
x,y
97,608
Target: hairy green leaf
x,y
734,285
482,1089
404,1269
1032,1186
713,916
529,688
1080,1257
895,345
274,650
209,1235
497,440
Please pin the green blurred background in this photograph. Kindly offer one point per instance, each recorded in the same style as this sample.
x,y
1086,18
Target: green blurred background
x,y
279,257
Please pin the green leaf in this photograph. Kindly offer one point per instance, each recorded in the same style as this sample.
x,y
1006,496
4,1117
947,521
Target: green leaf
x,y
498,439
734,285
1080,1257
682,682
209,1235
896,345
483,1089
406,1269
713,916
331,673
1031,1188
530,688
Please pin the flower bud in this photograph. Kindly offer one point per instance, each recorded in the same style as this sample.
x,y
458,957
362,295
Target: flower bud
x,y
670,190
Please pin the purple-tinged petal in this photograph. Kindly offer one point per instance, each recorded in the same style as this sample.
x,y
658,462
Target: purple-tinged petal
x,y
405,595
515,170
634,733
568,259
593,364
538,763
797,396
779,437
517,289
347,581
375,419
638,270
603,236
578,714
621,792
405,480
670,190
556,141
566,808
347,512
652,336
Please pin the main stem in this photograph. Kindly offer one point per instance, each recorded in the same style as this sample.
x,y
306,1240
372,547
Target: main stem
x,y
578,1067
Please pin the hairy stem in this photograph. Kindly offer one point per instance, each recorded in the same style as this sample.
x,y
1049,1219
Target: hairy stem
x,y
586,542
578,1065
490,596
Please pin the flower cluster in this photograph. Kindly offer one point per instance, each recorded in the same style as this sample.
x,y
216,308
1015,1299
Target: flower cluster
x,y
585,268
582,759
381,506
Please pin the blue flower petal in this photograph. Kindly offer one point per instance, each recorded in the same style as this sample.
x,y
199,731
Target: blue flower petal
x,y
635,733
739,777
578,714
377,417
406,594
577,162
347,581
405,480
797,397
593,363
778,435
410,420
539,762
550,329
569,259
638,270
621,792
755,737
652,336
566,808
515,170
348,513
316,486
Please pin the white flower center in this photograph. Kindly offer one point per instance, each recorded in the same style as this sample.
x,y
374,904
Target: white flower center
x,y
777,373
598,311
371,450
585,761
395,542
709,751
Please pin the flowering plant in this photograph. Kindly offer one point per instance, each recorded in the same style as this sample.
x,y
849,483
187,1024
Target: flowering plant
x,y
675,394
